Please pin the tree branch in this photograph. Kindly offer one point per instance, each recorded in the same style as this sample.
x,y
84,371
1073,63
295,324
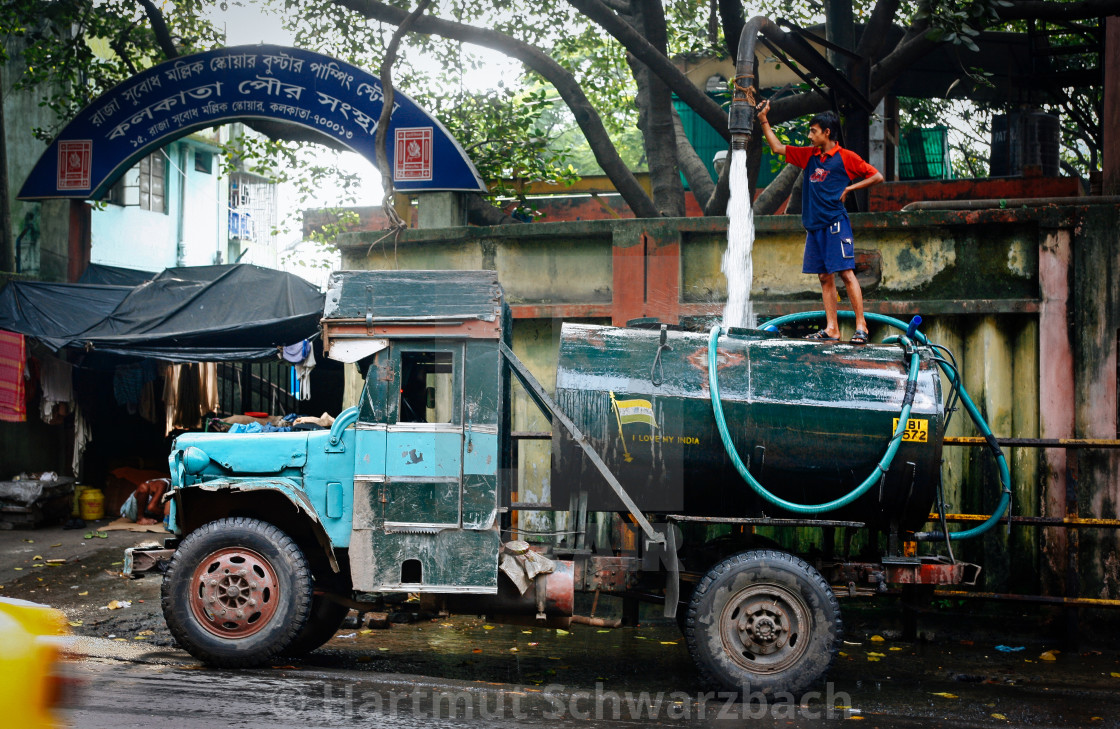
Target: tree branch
x,y
777,191
875,32
388,92
588,119
694,169
657,61
159,27
1042,10
731,18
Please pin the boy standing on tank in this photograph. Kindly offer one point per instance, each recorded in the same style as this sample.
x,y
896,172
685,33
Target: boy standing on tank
x,y
830,173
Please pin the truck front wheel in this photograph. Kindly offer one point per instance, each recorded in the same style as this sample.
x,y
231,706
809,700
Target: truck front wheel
x,y
763,622
237,592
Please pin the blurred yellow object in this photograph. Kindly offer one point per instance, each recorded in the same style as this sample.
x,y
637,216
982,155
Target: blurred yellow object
x,y
91,504
33,643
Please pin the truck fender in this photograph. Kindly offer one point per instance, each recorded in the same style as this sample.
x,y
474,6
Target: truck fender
x,y
294,494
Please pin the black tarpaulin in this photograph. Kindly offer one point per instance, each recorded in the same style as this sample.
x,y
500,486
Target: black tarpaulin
x,y
97,273
54,312
194,314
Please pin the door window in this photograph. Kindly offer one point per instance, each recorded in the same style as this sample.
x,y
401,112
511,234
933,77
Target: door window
x,y
427,388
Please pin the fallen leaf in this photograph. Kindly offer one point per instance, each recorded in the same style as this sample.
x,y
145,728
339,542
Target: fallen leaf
x,y
140,637
877,639
534,644
513,650
18,569
57,545
944,694
75,623
999,716
856,718
668,642
38,556
873,659
1114,674
1049,656
365,631
29,541
561,631
56,560
842,654
895,648
487,627
476,650
382,648
527,632
83,594
878,655
602,631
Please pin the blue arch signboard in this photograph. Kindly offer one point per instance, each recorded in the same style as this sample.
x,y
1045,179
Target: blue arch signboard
x,y
291,85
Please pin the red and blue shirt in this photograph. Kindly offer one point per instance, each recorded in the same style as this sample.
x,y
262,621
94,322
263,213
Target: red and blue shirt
x,y
825,177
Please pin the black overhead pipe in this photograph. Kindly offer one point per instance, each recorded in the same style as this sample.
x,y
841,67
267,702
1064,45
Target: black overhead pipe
x,y
740,119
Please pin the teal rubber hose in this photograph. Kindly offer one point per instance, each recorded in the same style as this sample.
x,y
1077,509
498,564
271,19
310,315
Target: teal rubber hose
x,y
969,406
881,468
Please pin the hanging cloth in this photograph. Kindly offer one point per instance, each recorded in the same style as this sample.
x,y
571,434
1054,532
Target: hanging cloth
x,y
13,365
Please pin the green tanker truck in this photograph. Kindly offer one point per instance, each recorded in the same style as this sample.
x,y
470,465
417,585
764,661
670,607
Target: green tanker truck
x,y
660,436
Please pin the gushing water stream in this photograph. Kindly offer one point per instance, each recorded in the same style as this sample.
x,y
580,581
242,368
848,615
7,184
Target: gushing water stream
x,y
737,264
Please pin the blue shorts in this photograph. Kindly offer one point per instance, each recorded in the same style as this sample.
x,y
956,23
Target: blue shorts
x,y
829,249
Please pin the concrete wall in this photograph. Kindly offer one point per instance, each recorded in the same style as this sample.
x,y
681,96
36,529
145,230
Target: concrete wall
x,y
1022,297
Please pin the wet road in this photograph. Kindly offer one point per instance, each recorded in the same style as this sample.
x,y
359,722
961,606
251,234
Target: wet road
x,y
460,673
463,671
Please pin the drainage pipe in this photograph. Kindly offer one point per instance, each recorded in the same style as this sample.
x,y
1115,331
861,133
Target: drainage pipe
x,y
1010,203
740,119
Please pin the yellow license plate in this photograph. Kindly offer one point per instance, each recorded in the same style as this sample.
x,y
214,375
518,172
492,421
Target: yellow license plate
x,y
917,431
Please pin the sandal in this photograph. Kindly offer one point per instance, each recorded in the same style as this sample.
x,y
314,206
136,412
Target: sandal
x,y
860,337
822,336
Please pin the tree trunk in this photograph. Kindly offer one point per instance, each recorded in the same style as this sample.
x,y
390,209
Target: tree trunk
x,y
717,203
7,242
694,169
777,191
655,110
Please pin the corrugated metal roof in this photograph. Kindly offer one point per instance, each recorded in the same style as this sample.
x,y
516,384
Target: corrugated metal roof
x,y
404,295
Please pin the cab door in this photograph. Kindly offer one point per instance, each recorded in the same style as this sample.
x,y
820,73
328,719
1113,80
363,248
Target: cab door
x,y
424,446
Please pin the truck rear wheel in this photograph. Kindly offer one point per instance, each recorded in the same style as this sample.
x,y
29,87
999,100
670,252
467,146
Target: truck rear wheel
x,y
237,592
763,622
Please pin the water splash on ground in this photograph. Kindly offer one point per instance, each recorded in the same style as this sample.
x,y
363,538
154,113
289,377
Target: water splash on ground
x,y
737,264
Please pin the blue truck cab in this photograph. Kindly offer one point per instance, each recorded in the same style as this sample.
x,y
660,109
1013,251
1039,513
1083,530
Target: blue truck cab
x,y
400,495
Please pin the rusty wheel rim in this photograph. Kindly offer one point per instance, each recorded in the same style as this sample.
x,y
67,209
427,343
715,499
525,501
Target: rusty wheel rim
x,y
234,592
765,628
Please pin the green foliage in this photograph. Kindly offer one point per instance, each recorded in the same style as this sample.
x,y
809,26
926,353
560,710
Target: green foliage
x,y
71,51
959,23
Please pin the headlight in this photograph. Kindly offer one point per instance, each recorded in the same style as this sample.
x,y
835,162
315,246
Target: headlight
x,y
195,460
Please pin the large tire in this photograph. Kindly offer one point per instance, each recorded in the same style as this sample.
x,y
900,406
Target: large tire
x,y
763,622
326,616
237,592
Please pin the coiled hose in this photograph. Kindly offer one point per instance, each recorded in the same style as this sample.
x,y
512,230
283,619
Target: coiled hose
x,y
892,447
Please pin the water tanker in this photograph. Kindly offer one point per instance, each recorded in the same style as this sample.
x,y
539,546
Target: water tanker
x,y
809,420
413,489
